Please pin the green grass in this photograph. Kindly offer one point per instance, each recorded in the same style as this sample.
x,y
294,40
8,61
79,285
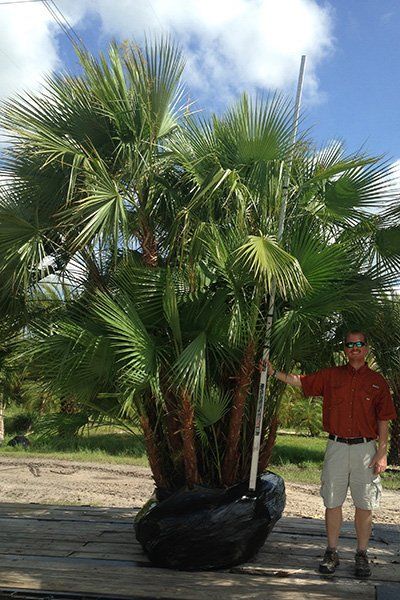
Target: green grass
x,y
103,445
297,458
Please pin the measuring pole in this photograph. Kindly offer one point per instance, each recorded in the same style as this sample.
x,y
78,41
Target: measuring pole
x,y
271,306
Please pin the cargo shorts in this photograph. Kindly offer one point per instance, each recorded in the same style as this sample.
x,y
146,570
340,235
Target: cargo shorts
x,y
347,466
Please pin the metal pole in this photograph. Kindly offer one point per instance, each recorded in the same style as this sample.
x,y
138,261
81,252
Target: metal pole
x,y
268,329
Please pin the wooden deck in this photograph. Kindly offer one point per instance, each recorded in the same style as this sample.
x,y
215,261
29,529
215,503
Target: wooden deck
x,y
87,552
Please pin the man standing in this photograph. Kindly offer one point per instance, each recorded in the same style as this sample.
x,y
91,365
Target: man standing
x,y
357,408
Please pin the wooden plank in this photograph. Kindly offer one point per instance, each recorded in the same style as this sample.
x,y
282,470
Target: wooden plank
x,y
66,512
276,547
305,547
164,584
303,565
387,592
30,525
381,571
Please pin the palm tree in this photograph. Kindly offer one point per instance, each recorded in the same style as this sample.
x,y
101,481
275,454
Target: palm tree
x,y
164,226
386,348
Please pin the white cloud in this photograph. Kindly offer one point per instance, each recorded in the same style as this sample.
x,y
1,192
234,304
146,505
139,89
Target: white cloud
x,y
233,44
230,45
27,48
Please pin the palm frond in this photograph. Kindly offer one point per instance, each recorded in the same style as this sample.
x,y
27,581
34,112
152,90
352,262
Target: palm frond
x,y
269,261
132,343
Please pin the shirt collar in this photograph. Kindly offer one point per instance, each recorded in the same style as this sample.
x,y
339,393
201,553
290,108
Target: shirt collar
x,y
362,369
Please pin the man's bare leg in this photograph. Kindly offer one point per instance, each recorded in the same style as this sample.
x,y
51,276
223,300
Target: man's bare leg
x,y
363,524
333,523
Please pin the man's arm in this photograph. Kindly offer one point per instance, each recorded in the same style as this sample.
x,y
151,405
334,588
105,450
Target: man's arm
x,y
379,462
289,378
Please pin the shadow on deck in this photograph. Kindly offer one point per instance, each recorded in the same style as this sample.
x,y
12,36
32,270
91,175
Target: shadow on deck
x,y
87,552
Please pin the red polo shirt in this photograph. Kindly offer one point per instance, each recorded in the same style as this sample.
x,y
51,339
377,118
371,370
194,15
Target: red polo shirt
x,y
354,400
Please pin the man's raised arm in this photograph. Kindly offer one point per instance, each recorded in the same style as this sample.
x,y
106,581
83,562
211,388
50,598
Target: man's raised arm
x,y
289,378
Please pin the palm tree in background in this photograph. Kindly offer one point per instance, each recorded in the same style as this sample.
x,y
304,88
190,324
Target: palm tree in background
x,y
386,348
163,225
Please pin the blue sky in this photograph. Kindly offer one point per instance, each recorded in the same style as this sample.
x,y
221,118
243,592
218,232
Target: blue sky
x,y
352,78
361,79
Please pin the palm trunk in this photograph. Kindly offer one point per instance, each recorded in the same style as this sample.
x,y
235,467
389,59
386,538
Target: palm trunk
x,y
149,247
231,459
267,446
189,450
173,427
152,453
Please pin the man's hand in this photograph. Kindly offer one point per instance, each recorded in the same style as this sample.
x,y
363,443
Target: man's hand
x,y
265,363
379,462
288,378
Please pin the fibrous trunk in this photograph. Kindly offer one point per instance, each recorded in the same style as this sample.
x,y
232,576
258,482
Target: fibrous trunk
x,y
267,446
152,452
173,427
189,451
231,459
149,247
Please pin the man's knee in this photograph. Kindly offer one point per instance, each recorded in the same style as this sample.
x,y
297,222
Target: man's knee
x,y
363,512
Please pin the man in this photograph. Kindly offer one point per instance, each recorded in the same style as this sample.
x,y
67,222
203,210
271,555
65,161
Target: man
x,y
357,408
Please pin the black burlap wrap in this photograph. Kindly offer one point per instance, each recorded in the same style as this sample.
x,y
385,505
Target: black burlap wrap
x,y
206,528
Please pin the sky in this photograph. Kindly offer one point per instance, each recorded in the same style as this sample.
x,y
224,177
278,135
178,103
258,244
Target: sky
x,y
352,76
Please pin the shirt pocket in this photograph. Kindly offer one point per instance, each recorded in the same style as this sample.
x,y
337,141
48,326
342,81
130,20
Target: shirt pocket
x,y
368,396
338,394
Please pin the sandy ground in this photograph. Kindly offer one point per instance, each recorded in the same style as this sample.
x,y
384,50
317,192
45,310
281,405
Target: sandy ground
x,y
47,481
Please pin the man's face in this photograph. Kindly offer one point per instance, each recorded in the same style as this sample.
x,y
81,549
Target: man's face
x,y
354,352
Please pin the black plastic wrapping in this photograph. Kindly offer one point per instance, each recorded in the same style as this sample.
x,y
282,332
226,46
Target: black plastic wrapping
x,y
19,440
208,528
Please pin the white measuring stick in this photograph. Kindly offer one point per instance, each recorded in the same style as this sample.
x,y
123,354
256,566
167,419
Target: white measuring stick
x,y
270,316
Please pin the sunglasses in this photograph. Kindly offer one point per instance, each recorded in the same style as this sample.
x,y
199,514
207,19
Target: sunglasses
x,y
355,344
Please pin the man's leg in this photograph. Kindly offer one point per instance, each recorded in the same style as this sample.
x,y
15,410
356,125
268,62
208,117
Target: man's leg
x,y
334,483
333,523
363,524
366,490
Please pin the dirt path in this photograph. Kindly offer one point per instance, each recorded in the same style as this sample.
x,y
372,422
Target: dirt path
x,y
49,481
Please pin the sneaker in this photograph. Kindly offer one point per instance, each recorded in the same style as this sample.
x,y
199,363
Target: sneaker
x,y
362,564
329,562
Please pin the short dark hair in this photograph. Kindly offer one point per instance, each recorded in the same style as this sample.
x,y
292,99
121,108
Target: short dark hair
x,y
354,331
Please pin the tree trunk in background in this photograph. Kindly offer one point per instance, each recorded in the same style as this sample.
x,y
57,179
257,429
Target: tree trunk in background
x,y
394,449
1,421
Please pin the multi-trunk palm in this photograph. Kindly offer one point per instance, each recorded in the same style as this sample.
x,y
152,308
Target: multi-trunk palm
x,y
164,226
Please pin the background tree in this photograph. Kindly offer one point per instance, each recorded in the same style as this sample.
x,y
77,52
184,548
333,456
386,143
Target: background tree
x,y
386,348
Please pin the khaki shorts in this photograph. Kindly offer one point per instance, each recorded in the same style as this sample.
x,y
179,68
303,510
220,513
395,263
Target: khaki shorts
x,y
347,466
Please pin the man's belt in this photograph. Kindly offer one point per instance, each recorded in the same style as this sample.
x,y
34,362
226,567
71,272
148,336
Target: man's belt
x,y
350,441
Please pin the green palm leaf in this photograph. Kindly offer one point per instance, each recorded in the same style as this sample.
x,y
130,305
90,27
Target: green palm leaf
x,y
268,261
132,343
